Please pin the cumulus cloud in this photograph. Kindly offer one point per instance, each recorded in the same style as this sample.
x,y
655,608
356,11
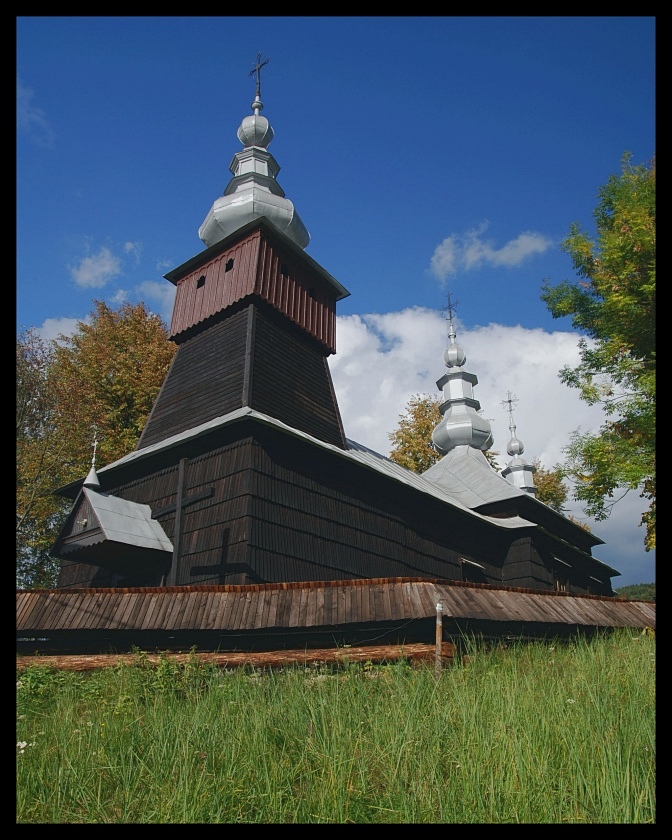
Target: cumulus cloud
x,y
468,251
95,271
382,360
31,120
159,297
53,327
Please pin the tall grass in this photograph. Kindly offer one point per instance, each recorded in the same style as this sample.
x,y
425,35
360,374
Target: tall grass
x,y
536,733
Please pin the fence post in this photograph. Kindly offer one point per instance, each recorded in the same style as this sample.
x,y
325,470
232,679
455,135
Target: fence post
x,y
439,638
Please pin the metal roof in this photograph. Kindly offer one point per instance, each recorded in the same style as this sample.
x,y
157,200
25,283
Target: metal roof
x,y
471,479
355,452
127,522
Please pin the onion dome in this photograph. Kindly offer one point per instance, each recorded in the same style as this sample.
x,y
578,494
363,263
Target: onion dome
x,y
461,424
518,472
253,191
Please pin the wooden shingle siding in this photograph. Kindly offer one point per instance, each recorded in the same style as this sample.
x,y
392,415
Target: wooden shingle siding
x,y
205,380
280,508
301,294
221,289
248,358
291,380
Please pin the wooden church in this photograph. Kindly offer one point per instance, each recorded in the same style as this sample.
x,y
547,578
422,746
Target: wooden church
x,y
244,482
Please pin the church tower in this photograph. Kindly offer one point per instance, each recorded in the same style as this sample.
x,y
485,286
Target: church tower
x,y
254,317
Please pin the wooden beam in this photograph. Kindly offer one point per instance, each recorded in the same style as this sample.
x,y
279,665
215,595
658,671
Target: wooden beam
x,y
264,659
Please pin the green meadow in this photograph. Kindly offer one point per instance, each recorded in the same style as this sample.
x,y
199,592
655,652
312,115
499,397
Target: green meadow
x,y
545,732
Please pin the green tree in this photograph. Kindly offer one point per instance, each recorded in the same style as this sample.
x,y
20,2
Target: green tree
x,y
551,487
39,456
637,592
103,380
613,305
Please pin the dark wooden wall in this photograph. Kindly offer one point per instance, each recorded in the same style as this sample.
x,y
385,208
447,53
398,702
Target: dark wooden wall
x,y
282,509
252,357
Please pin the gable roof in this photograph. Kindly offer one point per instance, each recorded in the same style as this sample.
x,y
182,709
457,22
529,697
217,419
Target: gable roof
x,y
118,521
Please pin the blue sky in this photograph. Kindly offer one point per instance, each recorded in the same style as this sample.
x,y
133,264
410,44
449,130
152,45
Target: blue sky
x,y
425,155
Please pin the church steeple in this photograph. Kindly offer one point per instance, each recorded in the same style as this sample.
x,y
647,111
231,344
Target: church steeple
x,y
254,316
461,424
253,191
518,472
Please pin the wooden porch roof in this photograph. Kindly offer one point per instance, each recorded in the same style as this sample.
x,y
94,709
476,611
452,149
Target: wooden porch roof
x,y
314,604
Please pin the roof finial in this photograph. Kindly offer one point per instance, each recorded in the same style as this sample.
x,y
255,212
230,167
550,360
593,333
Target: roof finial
x,y
517,471
450,309
92,478
514,442
257,104
461,424
454,355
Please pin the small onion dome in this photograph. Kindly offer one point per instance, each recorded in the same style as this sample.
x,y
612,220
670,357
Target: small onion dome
x,y
515,446
255,130
454,355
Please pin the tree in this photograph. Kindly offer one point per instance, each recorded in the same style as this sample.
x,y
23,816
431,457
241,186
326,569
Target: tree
x,y
412,445
39,455
613,305
551,488
102,380
412,439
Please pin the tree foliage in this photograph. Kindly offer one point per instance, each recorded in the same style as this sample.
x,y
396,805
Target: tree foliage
x,y
613,305
551,487
412,439
637,592
39,454
100,381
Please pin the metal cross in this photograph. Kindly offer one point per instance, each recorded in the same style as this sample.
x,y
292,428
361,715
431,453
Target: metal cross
x,y
257,69
510,400
450,308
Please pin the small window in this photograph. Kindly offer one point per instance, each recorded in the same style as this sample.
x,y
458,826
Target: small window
x,y
200,282
560,584
229,265
311,293
284,270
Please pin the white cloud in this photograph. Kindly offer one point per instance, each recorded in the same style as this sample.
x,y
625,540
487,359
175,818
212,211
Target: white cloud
x,y
119,297
162,294
96,270
470,251
134,249
31,120
53,327
383,360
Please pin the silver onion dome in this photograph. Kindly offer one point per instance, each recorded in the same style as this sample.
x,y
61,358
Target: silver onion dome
x,y
253,192
461,424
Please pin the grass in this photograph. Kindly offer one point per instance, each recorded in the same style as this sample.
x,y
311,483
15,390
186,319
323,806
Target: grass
x,y
536,733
